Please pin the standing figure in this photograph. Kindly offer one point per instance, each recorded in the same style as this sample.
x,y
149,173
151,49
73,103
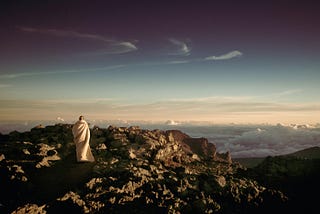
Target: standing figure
x,y
81,137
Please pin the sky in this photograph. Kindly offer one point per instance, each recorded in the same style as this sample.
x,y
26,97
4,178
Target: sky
x,y
219,61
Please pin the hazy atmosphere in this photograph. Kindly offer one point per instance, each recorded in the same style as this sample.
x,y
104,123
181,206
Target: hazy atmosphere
x,y
168,106
218,61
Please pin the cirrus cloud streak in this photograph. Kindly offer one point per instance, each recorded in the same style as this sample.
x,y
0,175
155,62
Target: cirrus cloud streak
x,y
230,55
112,46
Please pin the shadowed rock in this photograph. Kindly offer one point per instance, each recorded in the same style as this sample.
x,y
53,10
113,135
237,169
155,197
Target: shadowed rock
x,y
136,171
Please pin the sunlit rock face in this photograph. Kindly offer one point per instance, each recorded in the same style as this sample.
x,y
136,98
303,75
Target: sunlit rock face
x,y
136,171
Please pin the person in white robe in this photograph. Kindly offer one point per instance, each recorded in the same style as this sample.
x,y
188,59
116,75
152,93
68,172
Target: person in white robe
x,y
81,137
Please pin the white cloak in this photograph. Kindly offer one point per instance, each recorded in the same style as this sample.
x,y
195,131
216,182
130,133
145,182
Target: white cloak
x,y
81,137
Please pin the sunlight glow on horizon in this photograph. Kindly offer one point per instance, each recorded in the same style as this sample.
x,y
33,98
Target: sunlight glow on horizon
x,y
228,65
215,110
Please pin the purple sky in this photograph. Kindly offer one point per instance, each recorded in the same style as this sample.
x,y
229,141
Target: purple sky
x,y
226,61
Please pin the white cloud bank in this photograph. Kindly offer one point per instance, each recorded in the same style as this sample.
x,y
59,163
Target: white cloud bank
x,y
271,140
171,123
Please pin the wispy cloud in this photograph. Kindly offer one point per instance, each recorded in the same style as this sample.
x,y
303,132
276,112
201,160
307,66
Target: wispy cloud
x,y
241,104
26,74
288,92
281,95
216,99
113,46
181,47
17,75
65,33
178,62
226,56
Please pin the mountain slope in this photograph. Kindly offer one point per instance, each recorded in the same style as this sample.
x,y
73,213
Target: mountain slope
x,y
309,153
136,171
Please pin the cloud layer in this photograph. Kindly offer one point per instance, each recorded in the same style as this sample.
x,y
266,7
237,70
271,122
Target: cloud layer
x,y
271,140
216,109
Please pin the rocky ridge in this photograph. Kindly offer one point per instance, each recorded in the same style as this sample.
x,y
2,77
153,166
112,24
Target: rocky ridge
x,y
136,171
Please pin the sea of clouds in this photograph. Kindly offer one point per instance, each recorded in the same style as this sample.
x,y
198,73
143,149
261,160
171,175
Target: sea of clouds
x,y
240,140
253,140
262,141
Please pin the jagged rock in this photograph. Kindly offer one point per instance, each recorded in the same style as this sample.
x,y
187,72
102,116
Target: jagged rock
x,y
17,173
49,154
101,146
30,209
136,171
196,157
46,161
75,199
26,152
93,182
200,146
132,154
224,157
221,181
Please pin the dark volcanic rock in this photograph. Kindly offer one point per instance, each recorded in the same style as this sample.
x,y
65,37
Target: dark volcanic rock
x,y
136,171
297,175
200,146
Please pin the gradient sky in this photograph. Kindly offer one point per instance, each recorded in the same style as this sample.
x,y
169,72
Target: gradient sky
x,y
220,61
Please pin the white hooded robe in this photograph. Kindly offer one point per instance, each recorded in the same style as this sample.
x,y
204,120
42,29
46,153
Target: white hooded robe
x,y
81,137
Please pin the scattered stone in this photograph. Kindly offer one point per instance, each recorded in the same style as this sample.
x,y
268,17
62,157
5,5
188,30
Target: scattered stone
x,y
93,182
44,148
136,171
46,161
101,146
49,154
221,181
196,157
75,199
17,169
30,209
131,154
26,152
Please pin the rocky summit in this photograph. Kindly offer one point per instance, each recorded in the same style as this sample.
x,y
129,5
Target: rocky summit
x,y
136,171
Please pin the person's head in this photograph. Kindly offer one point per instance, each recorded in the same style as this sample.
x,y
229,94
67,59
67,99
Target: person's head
x,y
81,117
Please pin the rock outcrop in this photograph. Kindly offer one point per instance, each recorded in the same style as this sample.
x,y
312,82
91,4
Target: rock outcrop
x,y
136,171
